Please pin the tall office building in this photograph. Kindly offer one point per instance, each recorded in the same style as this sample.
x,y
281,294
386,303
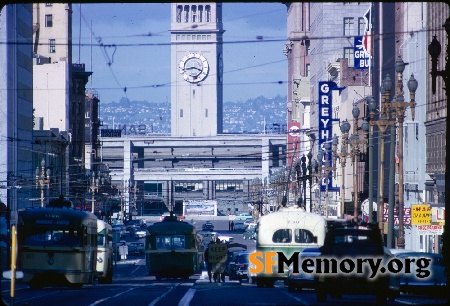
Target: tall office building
x,y
16,104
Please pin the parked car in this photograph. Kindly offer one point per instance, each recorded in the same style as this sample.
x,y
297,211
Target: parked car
x,y
248,221
140,234
433,285
239,226
352,242
208,226
238,266
300,280
231,249
225,239
250,232
136,248
242,216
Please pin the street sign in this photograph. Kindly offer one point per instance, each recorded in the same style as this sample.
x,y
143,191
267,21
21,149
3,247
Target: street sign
x,y
421,214
430,229
438,215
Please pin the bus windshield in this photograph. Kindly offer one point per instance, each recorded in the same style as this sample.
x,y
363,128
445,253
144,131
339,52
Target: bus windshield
x,y
47,237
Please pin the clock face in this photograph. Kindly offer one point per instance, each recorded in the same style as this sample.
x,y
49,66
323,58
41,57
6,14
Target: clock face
x,y
194,68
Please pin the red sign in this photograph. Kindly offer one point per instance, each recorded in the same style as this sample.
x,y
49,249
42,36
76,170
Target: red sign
x,y
406,216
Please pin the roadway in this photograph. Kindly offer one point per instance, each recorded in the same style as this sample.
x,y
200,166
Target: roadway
x,y
132,286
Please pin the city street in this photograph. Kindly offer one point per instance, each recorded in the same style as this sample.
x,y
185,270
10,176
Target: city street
x,y
131,285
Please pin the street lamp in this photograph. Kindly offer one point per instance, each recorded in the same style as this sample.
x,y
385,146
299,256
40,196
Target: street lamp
x,y
383,122
372,108
354,143
42,179
93,188
345,128
327,168
434,50
304,174
399,106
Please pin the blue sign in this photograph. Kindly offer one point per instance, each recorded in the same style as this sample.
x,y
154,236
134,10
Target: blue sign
x,y
361,57
325,125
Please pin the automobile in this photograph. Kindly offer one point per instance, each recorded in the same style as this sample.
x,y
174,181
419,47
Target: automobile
x,y
225,239
250,232
238,266
248,221
239,226
242,216
231,249
208,226
300,280
343,242
136,248
140,234
433,285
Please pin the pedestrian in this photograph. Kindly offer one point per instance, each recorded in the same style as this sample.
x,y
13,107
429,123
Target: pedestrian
x,y
218,271
207,263
232,226
229,225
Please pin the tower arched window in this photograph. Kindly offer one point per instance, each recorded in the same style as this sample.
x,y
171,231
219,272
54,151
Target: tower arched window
x,y
200,13
186,13
208,13
194,13
179,10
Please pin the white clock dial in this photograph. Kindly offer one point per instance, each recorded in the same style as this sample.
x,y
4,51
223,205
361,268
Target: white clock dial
x,y
194,68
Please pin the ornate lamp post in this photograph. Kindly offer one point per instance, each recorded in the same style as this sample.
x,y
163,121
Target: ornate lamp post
x,y
383,122
304,174
434,49
354,143
399,106
327,168
345,128
42,179
93,188
372,108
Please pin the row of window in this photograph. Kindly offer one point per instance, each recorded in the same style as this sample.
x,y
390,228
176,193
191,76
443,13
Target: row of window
x,y
193,37
349,27
193,13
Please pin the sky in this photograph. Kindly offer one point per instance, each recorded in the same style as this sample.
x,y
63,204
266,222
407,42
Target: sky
x,y
128,49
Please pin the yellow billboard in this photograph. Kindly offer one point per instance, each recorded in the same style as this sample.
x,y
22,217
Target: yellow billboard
x,y
420,214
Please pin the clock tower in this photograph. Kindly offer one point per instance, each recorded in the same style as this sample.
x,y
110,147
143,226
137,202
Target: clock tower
x,y
197,69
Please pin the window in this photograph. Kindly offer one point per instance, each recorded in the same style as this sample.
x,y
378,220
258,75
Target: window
x,y
308,70
194,13
49,4
48,21
348,54
52,46
186,13
348,26
181,113
361,26
200,13
179,10
206,112
303,236
208,13
282,236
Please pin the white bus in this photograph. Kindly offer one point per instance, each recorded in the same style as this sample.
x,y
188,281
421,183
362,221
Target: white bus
x,y
104,253
288,230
